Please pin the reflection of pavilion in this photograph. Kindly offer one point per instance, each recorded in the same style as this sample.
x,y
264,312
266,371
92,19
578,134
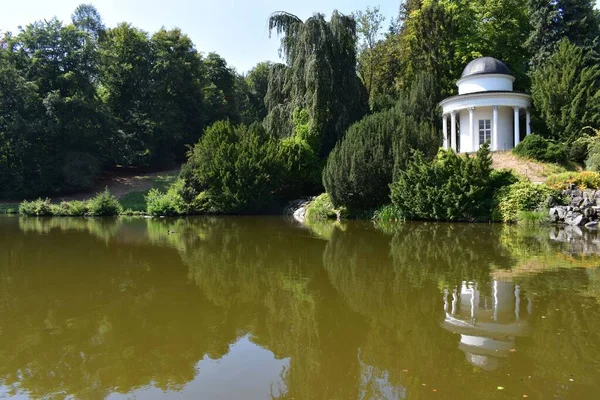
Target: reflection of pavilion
x,y
487,324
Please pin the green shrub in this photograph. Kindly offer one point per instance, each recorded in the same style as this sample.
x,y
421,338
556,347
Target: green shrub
x,y
74,208
578,150
321,209
39,207
104,204
518,197
234,168
360,168
538,148
449,188
583,180
533,217
592,161
169,203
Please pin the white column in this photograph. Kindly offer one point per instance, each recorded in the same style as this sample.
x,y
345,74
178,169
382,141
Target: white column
x,y
472,128
527,121
517,128
445,130
453,131
494,144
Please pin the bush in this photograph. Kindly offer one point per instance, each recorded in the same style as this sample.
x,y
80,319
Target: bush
x,y
592,161
449,188
538,148
321,209
39,207
74,208
234,168
104,205
169,203
360,168
522,196
584,180
578,150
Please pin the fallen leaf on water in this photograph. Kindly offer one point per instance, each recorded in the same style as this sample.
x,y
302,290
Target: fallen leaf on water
x,y
525,395
434,390
404,370
500,387
571,380
513,350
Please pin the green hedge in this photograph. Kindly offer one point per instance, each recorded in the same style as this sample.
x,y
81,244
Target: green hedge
x,y
538,148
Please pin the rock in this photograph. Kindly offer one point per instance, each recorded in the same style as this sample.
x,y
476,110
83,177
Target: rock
x,y
576,219
553,215
592,225
577,201
589,212
562,212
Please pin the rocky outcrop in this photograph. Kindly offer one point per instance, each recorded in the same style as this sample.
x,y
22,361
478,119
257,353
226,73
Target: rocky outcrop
x,y
297,208
583,208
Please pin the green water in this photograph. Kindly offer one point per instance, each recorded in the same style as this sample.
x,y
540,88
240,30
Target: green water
x,y
259,308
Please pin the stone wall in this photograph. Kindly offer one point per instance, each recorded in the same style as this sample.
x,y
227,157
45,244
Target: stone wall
x,y
583,208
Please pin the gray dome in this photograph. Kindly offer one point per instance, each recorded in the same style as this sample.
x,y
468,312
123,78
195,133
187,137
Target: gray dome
x,y
485,65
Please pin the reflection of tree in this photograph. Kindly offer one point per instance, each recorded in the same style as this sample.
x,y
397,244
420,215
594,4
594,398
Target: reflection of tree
x,y
449,253
358,315
85,320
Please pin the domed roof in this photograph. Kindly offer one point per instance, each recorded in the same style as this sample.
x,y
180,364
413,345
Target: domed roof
x,y
485,65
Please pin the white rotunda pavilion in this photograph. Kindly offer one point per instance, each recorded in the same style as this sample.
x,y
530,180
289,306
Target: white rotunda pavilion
x,y
486,109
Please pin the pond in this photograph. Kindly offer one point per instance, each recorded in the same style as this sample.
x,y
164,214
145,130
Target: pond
x,y
260,307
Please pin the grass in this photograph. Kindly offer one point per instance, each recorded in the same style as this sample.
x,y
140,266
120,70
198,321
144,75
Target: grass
x,y
136,201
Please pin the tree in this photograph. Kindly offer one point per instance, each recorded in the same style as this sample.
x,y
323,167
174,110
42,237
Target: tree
x,y
177,92
232,168
127,60
219,89
566,92
369,24
87,18
76,136
361,167
575,20
319,77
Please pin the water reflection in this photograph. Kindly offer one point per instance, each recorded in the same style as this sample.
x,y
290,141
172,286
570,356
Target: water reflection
x,y
260,308
487,323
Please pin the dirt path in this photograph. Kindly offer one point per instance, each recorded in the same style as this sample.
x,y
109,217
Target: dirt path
x,y
533,170
121,183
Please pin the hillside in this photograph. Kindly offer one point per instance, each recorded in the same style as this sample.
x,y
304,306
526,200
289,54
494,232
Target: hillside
x,y
533,170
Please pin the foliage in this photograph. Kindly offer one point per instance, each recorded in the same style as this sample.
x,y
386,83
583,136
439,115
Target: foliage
x,y
522,196
583,180
566,92
74,208
387,213
592,161
39,207
449,188
321,209
319,77
552,21
104,204
369,23
234,166
169,203
538,148
361,167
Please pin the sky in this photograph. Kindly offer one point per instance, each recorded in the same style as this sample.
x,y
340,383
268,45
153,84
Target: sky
x,y
236,29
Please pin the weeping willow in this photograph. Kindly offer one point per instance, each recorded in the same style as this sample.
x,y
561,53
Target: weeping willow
x,y
319,76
